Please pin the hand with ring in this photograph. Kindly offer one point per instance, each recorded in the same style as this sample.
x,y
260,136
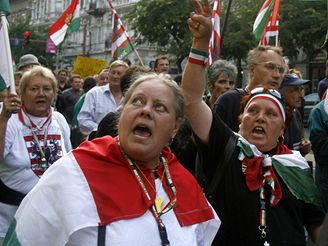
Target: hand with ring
x,y
11,104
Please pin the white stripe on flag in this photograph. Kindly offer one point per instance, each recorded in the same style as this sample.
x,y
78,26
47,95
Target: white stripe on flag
x,y
59,36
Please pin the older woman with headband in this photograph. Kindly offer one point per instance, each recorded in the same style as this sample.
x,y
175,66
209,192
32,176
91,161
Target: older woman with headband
x,y
30,141
128,190
267,193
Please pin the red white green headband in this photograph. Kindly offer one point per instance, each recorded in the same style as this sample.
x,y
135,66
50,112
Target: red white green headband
x,y
271,98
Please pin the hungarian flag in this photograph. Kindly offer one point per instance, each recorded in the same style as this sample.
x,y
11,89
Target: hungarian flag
x,y
121,41
292,168
6,68
266,23
67,23
215,41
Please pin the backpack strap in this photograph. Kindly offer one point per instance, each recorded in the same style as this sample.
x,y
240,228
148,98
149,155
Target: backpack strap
x,y
220,169
101,235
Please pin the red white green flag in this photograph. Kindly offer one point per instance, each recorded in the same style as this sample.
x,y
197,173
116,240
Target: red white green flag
x,y
67,23
121,41
6,67
215,41
266,23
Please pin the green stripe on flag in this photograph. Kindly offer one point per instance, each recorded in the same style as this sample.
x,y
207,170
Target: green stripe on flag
x,y
11,237
75,25
262,21
2,84
299,182
5,7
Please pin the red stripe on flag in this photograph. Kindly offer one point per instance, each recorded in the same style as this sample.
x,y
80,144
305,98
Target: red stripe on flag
x,y
65,18
272,25
215,42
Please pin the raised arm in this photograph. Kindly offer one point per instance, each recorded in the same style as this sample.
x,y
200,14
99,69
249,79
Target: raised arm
x,y
193,80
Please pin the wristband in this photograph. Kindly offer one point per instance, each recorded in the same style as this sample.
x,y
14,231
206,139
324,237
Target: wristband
x,y
198,57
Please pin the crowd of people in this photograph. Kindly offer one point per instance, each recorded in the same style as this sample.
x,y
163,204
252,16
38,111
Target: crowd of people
x,y
133,156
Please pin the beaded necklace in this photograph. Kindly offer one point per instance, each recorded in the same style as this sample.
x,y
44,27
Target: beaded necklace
x,y
157,208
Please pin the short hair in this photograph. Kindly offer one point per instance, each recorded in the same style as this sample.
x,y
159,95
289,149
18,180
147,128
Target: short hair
x,y
118,63
63,70
28,76
164,79
161,57
89,83
253,55
73,77
130,75
222,67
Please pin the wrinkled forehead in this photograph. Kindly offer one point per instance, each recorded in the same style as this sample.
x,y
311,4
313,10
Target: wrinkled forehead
x,y
270,55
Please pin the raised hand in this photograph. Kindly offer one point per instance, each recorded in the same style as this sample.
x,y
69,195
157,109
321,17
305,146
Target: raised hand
x,y
199,23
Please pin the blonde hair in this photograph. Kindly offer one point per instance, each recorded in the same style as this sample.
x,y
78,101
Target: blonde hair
x,y
28,76
118,63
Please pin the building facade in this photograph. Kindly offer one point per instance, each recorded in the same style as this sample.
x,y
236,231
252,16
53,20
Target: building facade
x,y
93,39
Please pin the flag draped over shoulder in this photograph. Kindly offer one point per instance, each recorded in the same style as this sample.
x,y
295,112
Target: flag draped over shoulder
x,y
267,22
292,169
215,42
68,22
5,52
121,41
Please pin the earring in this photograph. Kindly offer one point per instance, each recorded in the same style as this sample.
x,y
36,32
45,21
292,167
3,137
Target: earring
x,y
281,139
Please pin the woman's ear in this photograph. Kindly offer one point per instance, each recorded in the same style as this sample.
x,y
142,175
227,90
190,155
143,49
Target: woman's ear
x,y
176,128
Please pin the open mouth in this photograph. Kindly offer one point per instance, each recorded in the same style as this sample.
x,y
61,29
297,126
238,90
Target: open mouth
x,y
142,131
258,130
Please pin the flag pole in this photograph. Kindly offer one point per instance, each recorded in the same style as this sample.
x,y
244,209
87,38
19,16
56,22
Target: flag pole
x,y
134,49
8,51
137,53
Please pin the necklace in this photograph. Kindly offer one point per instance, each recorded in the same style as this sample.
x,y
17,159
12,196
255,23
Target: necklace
x,y
43,164
159,209
159,202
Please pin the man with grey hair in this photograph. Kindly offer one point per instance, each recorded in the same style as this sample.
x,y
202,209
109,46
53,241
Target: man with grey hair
x,y
221,78
266,68
101,100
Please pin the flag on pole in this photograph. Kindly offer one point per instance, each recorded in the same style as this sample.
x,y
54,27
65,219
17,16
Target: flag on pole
x,y
6,67
121,41
267,22
67,23
215,42
5,7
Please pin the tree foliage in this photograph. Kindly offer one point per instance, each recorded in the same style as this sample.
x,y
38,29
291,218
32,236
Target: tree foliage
x,y
303,26
163,23
36,44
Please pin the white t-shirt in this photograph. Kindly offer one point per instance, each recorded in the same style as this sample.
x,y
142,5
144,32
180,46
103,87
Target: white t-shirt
x,y
21,156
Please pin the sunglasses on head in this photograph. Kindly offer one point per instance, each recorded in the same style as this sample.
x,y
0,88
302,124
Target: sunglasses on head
x,y
261,90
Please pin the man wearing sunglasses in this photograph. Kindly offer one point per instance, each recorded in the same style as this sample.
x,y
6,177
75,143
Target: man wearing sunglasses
x,y
266,69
